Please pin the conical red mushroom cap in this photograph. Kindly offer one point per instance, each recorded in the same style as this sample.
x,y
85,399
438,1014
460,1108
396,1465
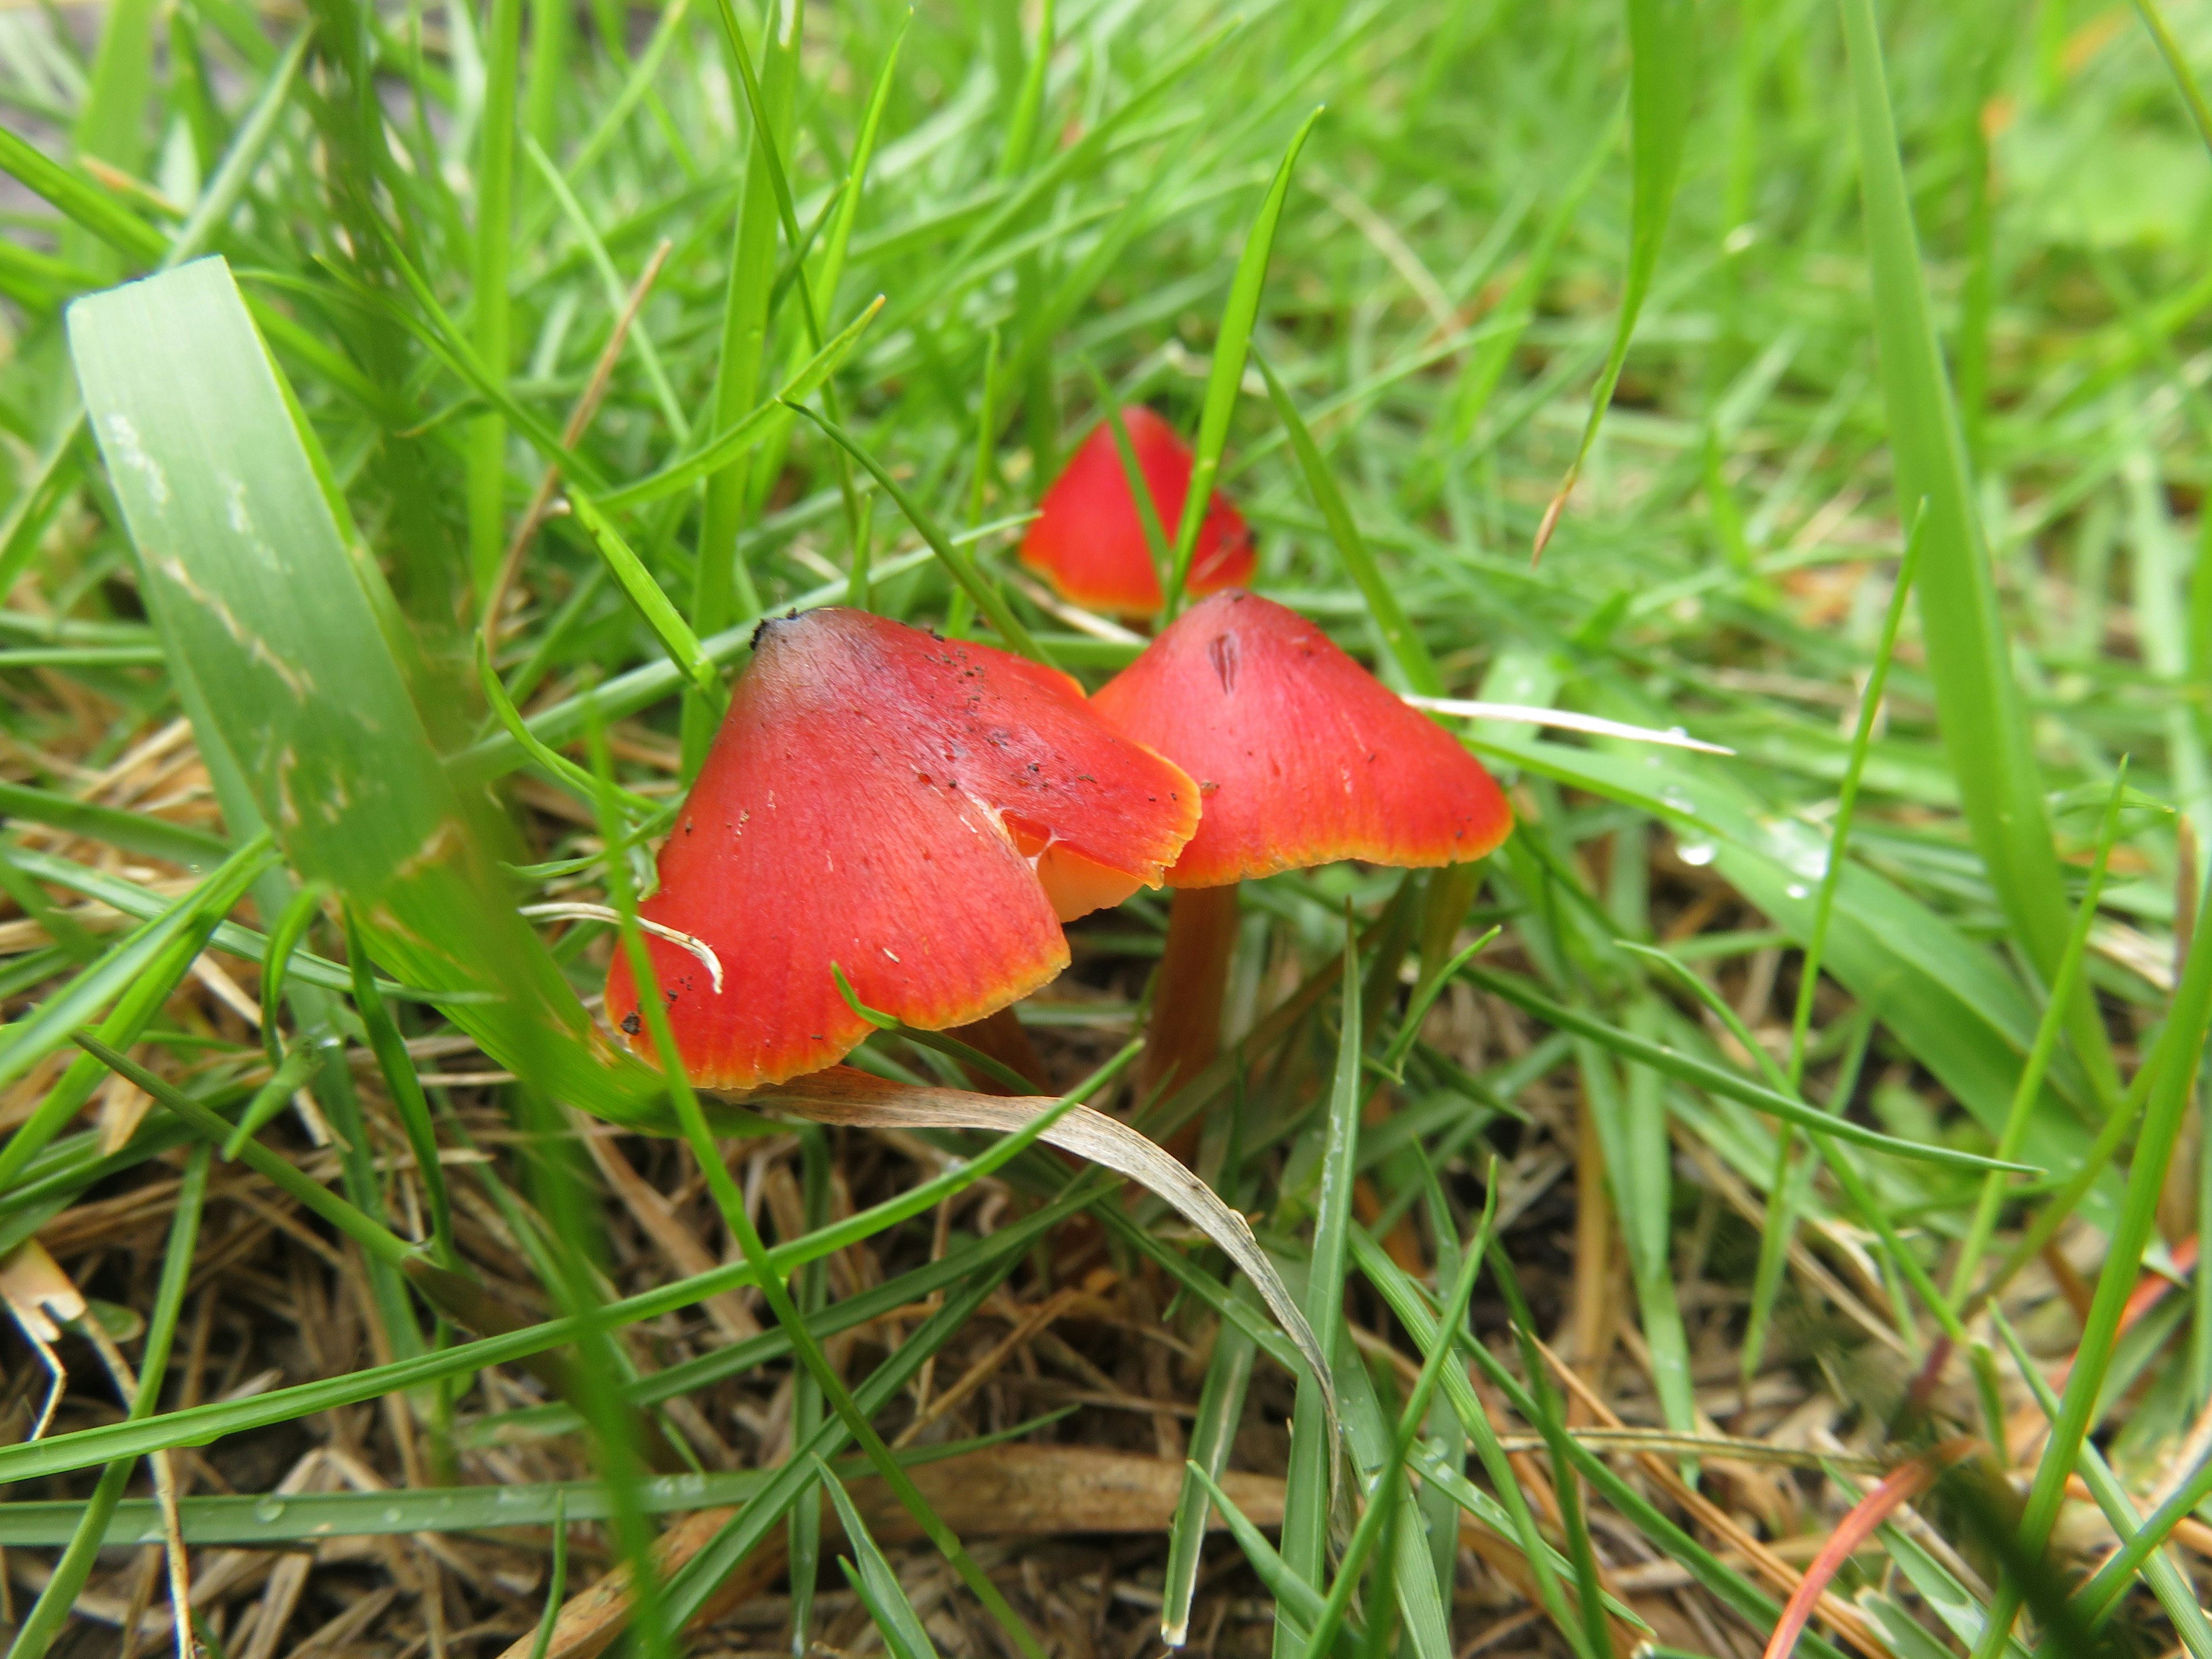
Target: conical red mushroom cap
x,y
1090,543
1302,756
920,811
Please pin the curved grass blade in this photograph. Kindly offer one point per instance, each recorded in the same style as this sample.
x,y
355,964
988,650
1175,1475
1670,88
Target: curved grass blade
x,y
1227,376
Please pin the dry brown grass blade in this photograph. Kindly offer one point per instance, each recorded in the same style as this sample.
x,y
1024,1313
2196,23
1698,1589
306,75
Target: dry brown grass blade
x,y
1012,1491
843,1096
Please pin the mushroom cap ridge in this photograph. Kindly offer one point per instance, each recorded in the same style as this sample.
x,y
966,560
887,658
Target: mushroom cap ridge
x,y
1302,756
911,808
1089,542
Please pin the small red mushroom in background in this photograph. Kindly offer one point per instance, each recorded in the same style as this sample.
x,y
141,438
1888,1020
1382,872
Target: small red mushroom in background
x,y
1302,757
1089,542
923,812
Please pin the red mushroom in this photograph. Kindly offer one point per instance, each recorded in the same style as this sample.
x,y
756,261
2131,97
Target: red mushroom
x,y
923,812
1089,542
1302,758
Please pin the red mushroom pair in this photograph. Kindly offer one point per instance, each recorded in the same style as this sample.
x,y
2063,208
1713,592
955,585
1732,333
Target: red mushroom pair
x,y
924,813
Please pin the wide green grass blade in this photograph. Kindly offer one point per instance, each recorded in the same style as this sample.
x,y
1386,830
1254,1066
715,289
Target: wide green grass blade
x,y
293,647
1985,730
1226,378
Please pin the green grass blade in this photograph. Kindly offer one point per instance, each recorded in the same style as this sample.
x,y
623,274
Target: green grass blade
x,y
749,433
804,1346
134,832
1411,1305
1226,378
1310,1490
2174,1064
2166,1582
490,305
1781,1223
637,584
1986,730
408,1100
136,976
873,1580
374,1239
2177,63
1687,1069
1295,1596
1662,42
2071,966
1382,1500
1406,647
1220,1405
723,585
986,599
83,202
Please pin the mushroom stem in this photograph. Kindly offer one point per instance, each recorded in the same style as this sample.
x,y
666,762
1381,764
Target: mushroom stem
x,y
1184,1032
1004,1037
